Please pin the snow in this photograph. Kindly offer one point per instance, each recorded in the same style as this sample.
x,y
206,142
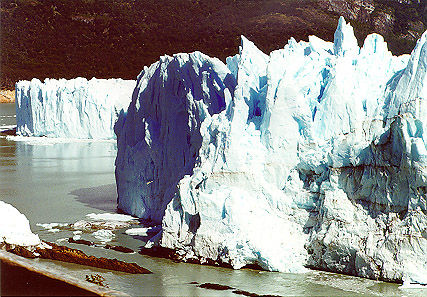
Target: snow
x,y
311,156
15,227
75,108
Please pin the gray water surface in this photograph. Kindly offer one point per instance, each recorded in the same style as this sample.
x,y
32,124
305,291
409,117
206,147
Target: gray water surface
x,y
62,182
7,114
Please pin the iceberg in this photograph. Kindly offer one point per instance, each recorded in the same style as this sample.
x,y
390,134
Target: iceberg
x,y
313,156
75,108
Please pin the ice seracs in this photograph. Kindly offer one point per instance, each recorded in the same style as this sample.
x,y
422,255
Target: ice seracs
x,y
345,43
312,156
75,108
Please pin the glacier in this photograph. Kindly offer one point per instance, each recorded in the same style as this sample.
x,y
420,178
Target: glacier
x,y
313,156
75,108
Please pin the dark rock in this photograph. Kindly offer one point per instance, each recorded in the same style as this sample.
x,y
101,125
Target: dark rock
x,y
70,255
119,248
159,252
170,254
20,251
217,287
245,293
80,241
11,132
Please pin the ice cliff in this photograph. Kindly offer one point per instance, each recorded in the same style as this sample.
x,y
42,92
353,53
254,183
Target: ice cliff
x,y
76,108
311,156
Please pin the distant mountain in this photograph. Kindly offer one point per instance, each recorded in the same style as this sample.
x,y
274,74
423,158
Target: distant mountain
x,y
116,38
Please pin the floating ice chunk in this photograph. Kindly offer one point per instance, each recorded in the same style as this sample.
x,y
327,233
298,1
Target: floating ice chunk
x,y
137,231
15,227
111,217
104,235
143,231
108,225
107,221
52,225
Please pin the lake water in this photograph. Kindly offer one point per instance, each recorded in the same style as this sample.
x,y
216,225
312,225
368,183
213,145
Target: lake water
x,y
62,182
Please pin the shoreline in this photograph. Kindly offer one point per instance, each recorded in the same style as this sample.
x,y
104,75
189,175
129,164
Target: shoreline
x,y
21,276
52,251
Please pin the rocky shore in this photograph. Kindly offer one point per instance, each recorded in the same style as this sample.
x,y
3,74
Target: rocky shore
x,y
52,251
22,277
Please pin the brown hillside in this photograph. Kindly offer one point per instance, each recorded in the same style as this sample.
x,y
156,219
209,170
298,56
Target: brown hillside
x,y
116,38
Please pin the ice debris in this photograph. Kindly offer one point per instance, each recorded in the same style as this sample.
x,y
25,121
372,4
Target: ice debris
x,y
75,108
100,226
104,221
104,235
311,156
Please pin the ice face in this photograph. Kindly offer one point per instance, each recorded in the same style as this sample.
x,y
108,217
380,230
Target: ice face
x,y
161,132
312,156
75,108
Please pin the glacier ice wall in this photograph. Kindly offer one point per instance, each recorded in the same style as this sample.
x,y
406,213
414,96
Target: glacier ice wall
x,y
76,108
162,135
311,156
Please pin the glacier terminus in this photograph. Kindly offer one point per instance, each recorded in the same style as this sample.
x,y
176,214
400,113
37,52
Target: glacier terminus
x,y
76,108
313,156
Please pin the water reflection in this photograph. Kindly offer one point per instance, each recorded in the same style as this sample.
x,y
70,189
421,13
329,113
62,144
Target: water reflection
x,y
102,197
7,114
7,154
38,178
